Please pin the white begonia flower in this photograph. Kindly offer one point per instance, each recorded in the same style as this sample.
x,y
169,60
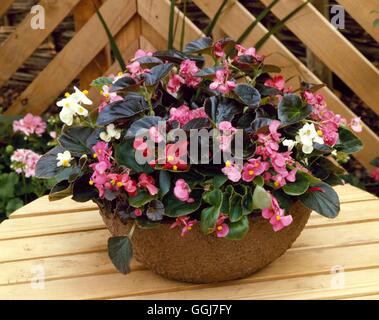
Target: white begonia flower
x,y
64,159
307,135
111,132
290,144
71,105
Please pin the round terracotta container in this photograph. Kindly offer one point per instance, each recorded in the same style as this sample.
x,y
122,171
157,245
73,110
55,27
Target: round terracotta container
x,y
200,258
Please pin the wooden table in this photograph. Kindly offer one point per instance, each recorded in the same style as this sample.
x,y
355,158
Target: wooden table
x,y
64,243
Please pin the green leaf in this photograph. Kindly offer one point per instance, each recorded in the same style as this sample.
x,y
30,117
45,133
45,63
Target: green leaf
x,y
170,37
164,183
375,23
155,210
292,109
210,215
221,108
101,81
298,187
237,230
219,180
8,182
228,193
178,57
235,207
248,95
197,123
199,46
175,208
348,142
261,198
112,42
47,165
13,205
157,73
140,199
142,126
125,84
208,72
82,191
259,181
120,252
125,156
74,139
132,104
61,190
375,162
325,202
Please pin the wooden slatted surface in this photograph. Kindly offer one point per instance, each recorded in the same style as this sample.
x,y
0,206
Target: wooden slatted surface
x,y
68,241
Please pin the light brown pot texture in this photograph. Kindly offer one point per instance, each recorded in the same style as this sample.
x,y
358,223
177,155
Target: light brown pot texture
x,y
200,258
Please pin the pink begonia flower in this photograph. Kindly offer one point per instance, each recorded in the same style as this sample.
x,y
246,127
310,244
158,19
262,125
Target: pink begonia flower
x,y
226,138
142,53
254,168
184,114
30,125
226,126
222,229
138,212
101,151
174,83
232,171
375,174
182,191
25,162
186,222
242,51
147,182
155,134
188,69
220,82
218,50
356,124
329,133
277,82
135,69
276,215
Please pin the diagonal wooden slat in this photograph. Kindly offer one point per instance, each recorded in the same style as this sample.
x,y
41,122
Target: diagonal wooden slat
x,y
361,12
24,40
320,36
4,6
278,54
85,45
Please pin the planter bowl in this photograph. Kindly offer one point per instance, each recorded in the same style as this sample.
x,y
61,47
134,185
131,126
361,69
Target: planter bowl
x,y
200,258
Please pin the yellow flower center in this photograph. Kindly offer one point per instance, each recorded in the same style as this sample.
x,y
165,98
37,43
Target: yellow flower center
x,y
113,181
228,164
67,105
175,168
81,109
278,218
91,182
106,95
170,158
85,92
65,163
219,228
67,94
256,165
189,228
251,172
276,183
94,155
320,133
119,184
120,74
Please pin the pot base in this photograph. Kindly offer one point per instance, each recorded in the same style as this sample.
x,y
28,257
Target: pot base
x,y
200,258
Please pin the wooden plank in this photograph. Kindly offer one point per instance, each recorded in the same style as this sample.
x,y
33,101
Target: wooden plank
x,y
127,40
42,246
4,6
292,67
82,13
293,263
362,282
320,36
43,206
51,224
154,37
156,13
361,12
53,245
24,40
71,60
